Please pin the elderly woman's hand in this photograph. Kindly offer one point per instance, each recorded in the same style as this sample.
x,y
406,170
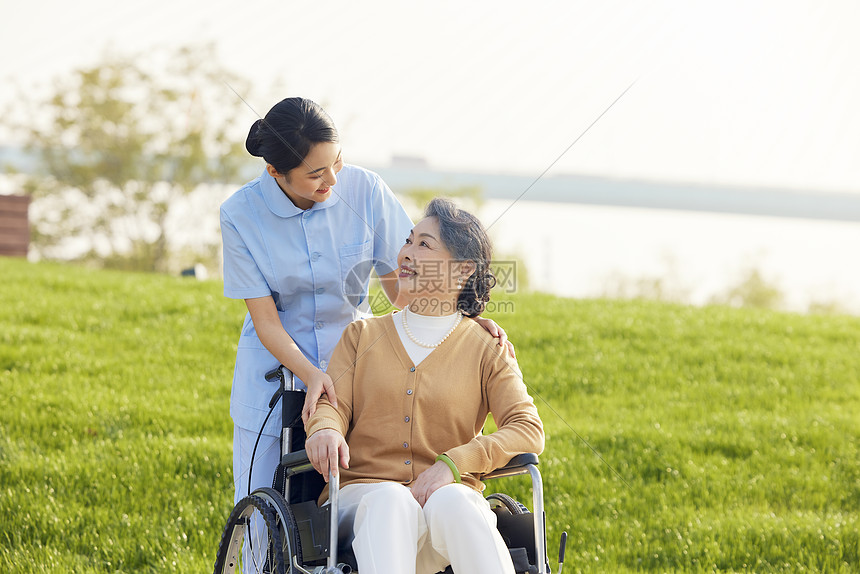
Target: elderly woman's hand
x,y
324,448
431,480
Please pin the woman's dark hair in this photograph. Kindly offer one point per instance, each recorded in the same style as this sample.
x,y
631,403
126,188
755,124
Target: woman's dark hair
x,y
466,240
285,136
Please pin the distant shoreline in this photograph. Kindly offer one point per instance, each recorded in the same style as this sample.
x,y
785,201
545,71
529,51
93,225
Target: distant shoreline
x,y
593,190
604,191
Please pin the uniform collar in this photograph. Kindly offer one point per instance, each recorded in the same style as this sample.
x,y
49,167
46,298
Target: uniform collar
x,y
279,204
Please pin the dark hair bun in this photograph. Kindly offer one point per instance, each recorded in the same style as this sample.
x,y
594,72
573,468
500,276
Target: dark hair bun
x,y
253,143
287,133
476,292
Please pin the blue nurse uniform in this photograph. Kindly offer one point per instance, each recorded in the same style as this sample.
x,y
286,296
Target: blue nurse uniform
x,y
315,264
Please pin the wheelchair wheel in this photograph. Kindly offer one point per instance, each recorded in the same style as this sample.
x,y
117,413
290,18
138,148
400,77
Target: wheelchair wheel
x,y
503,502
252,541
290,539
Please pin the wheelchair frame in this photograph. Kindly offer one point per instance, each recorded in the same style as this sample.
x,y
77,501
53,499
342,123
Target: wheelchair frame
x,y
294,463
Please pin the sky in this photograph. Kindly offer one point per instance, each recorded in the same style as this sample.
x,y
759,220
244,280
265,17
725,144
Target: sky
x,y
744,93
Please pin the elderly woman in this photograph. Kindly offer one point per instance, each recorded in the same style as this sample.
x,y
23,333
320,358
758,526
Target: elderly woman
x,y
414,389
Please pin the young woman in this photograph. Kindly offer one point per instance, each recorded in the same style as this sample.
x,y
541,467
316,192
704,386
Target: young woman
x,y
414,389
300,242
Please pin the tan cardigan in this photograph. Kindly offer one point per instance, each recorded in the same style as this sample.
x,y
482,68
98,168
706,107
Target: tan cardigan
x,y
397,418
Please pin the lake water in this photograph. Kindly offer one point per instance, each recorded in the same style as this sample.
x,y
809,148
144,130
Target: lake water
x,y
591,251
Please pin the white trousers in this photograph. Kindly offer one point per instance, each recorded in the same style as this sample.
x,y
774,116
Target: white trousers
x,y
394,534
265,462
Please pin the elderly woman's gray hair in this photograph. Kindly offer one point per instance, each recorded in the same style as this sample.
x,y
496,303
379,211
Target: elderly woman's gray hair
x,y
466,240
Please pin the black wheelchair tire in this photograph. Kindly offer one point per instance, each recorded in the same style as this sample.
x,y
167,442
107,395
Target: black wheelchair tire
x,y
290,539
231,547
499,500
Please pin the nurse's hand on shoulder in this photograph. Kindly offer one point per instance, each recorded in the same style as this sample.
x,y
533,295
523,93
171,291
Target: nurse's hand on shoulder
x,y
431,480
496,331
318,383
325,449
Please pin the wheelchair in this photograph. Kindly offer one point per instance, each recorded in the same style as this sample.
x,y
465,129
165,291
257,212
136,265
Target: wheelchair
x,y
282,530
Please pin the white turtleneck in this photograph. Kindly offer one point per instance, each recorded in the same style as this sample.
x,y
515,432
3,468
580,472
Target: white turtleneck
x,y
425,328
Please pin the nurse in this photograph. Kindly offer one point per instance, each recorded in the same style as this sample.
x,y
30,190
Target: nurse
x,y
300,242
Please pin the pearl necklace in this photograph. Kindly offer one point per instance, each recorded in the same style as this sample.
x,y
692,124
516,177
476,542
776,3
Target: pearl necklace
x,y
415,340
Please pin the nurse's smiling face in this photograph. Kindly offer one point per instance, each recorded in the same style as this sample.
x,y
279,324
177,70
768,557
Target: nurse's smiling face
x,y
312,180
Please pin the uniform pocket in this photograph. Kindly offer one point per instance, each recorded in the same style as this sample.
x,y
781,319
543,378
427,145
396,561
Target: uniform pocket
x,y
356,263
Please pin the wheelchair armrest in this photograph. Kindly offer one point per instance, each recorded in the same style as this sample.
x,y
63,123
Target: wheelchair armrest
x,y
296,462
515,466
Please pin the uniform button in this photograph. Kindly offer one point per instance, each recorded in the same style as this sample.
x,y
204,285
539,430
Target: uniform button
x,y
319,291
409,392
315,256
319,325
405,445
412,370
408,462
406,419
323,365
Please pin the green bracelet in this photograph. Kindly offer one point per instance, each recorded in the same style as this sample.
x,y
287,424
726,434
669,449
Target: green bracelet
x,y
447,460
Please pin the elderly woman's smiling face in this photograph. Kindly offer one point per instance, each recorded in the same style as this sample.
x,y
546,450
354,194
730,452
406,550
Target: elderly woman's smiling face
x,y
427,269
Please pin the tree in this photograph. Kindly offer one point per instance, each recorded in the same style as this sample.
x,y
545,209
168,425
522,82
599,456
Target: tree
x,y
119,143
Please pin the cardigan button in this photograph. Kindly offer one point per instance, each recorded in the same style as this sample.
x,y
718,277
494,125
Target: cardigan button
x,y
409,392
405,445
408,462
406,419
412,370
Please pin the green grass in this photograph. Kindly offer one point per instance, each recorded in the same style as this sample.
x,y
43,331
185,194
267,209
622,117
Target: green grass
x,y
679,439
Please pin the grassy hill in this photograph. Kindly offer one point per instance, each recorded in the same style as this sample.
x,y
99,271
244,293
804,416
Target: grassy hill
x,y
679,439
